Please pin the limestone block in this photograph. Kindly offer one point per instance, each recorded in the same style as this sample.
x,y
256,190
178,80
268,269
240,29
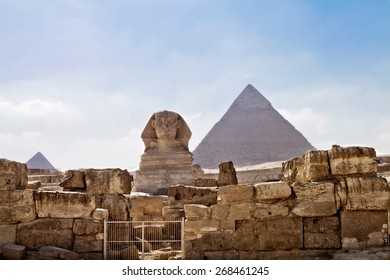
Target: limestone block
x,y
219,212
192,255
228,225
118,207
146,205
65,205
130,253
206,183
87,243
14,252
311,167
33,185
108,181
213,242
279,234
194,212
265,211
45,232
360,224
234,193
240,211
322,233
350,243
100,214
56,253
87,227
364,193
202,226
352,161
74,180
376,239
315,199
7,235
227,174
244,238
172,214
150,232
273,190
17,206
180,195
13,175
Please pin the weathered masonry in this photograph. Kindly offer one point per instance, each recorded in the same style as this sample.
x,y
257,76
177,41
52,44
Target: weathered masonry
x,y
327,203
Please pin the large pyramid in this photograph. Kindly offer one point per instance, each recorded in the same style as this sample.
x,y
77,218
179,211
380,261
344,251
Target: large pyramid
x,y
250,132
39,161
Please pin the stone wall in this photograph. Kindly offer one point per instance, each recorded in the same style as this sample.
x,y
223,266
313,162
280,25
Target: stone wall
x,y
326,201
37,224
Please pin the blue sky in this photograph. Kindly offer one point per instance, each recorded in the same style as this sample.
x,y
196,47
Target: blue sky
x,y
80,79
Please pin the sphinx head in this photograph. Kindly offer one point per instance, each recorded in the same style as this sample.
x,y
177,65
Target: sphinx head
x,y
166,126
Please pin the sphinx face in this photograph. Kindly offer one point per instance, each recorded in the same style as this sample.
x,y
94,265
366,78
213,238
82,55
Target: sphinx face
x,y
166,125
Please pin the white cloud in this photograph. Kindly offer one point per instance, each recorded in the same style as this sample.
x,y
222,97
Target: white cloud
x,y
307,120
39,108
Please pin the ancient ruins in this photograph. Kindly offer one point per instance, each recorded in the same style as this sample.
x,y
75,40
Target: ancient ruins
x,y
323,204
329,204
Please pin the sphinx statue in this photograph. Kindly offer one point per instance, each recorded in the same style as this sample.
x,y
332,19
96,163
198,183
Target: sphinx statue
x,y
166,160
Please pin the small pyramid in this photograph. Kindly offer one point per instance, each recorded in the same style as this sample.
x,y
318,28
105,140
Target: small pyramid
x,y
250,132
39,161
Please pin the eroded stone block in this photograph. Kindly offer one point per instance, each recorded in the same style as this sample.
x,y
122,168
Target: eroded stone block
x,y
219,212
315,199
322,233
87,227
100,214
271,191
360,224
194,212
265,211
46,232
14,252
227,174
65,205
311,167
87,243
202,226
108,181
235,193
352,161
180,195
213,242
363,193
74,180
17,206
240,211
118,207
146,205
279,234
172,214
56,253
13,175
7,235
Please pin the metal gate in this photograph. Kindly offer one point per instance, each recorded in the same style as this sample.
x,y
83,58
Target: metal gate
x,y
143,240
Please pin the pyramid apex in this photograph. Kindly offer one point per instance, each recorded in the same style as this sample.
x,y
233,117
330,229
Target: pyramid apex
x,y
39,161
251,98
